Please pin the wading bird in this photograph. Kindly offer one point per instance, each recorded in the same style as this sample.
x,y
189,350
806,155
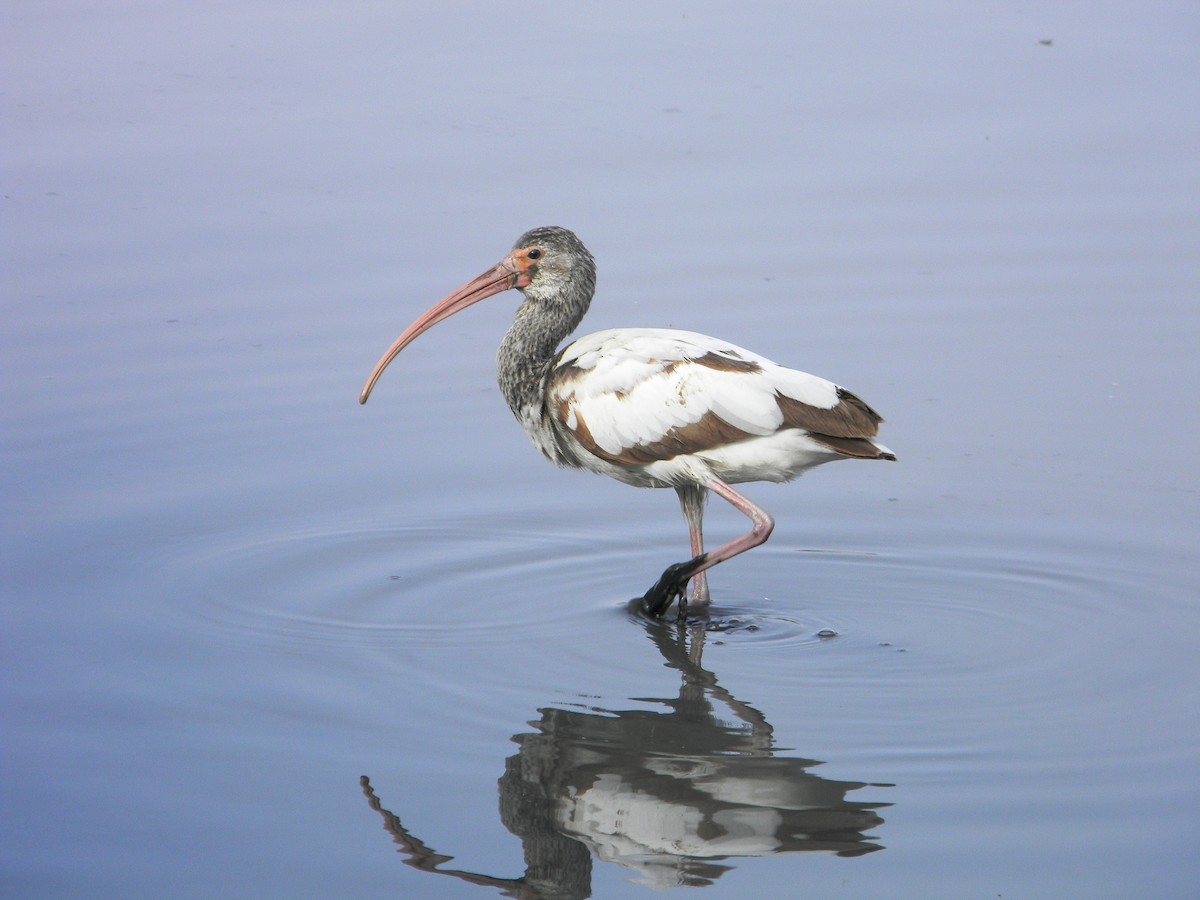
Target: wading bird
x,y
653,407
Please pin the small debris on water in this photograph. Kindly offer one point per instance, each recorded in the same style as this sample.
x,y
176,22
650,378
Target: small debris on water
x,y
827,633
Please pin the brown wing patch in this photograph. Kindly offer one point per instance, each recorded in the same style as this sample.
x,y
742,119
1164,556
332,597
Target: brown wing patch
x,y
562,373
849,418
845,428
859,448
720,362
709,432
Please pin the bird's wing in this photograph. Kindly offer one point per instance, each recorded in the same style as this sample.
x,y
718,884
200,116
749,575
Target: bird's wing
x,y
634,396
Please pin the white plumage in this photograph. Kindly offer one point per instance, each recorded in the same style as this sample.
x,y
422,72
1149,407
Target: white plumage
x,y
633,387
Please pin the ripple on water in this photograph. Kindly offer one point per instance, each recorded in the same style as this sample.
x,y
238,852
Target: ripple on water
x,y
1013,623
452,581
754,624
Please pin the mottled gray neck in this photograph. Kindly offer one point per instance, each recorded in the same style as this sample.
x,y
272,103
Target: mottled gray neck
x,y
558,294
562,279
529,348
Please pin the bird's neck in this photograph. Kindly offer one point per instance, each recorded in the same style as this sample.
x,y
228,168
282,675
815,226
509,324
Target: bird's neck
x,y
528,350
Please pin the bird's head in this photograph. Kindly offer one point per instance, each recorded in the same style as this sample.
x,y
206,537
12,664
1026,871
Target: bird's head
x,y
548,265
553,263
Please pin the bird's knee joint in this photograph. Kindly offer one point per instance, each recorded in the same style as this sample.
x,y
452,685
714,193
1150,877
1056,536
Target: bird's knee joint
x,y
764,526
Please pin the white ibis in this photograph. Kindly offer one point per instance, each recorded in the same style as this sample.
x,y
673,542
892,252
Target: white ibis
x,y
653,407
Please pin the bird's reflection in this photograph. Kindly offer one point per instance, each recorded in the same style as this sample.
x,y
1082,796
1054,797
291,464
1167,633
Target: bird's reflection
x,y
667,794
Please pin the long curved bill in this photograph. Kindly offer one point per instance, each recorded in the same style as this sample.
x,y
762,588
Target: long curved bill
x,y
508,274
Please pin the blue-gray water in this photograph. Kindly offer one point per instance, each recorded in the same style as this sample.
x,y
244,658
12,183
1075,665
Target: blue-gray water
x,y
231,591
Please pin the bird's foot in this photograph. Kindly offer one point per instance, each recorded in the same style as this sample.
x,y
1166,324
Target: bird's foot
x,y
670,587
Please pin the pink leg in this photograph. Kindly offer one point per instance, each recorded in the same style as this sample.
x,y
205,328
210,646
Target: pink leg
x,y
692,498
761,530
673,583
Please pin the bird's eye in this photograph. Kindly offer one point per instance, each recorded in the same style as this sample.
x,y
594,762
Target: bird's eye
x,y
535,253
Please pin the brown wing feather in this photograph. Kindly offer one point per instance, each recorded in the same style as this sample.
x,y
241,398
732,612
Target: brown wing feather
x,y
709,432
851,417
845,428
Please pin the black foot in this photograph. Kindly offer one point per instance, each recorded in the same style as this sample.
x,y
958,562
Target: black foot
x,y
670,587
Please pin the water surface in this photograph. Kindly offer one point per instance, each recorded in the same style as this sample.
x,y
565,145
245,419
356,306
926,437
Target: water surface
x,y
232,593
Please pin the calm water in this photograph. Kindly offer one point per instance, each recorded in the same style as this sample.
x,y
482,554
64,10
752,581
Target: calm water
x,y
232,593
